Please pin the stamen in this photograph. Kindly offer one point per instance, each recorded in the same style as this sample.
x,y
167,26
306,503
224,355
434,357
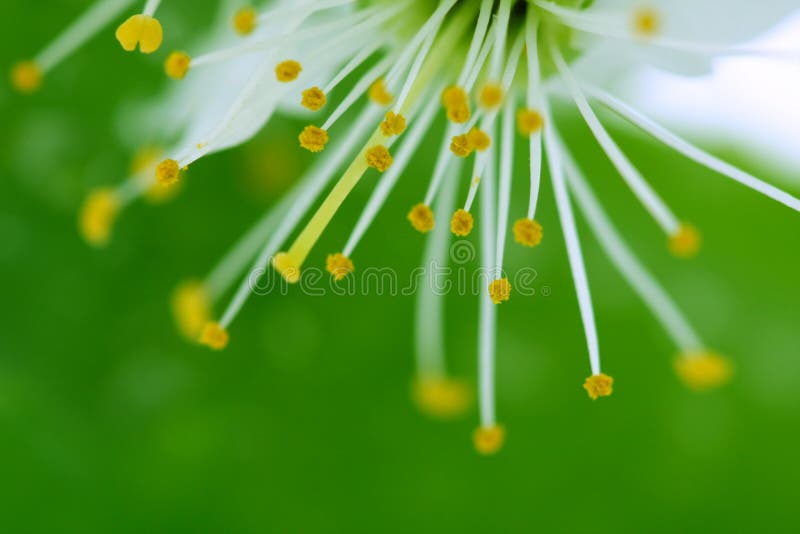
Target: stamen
x,y
377,91
313,139
287,71
393,124
477,39
462,222
177,65
691,151
506,169
489,440
313,99
244,20
168,172
478,139
529,122
500,290
646,21
461,146
456,103
378,157
214,336
421,218
685,243
26,77
649,198
442,160
499,47
600,385
703,370
142,30
379,94
527,232
533,99
442,398
191,308
339,266
491,96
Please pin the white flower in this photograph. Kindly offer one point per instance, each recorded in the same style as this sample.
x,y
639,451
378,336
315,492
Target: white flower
x,y
495,66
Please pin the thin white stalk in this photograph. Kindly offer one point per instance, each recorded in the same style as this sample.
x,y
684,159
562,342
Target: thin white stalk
x,y
477,39
150,7
506,169
533,97
487,309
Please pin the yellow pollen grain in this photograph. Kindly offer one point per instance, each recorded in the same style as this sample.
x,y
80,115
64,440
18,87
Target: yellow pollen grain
x,y
378,157
529,121
97,216
313,138
685,243
599,386
460,146
26,77
491,96
177,65
421,218
313,98
500,290
646,22
456,103
489,440
478,139
191,308
143,30
393,124
168,172
214,336
527,232
459,114
339,265
462,222
703,370
287,267
379,94
441,398
244,21
288,71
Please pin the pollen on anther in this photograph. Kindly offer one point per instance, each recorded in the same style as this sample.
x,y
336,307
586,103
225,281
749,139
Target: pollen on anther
x,y
685,243
491,96
339,265
646,21
455,101
393,124
286,267
379,94
443,398
478,139
177,65
421,218
313,138
378,157
600,385
313,99
462,222
287,71
244,20
460,146
500,290
168,172
703,370
529,121
214,336
141,30
527,232
26,77
489,440
97,216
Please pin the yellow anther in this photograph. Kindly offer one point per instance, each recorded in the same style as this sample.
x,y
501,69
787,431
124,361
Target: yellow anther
x,y
500,290
646,22
462,222
460,146
177,65
456,102
478,139
458,114
703,369
168,172
393,124
421,217
287,71
379,94
313,138
313,99
214,336
442,398
599,386
378,157
244,20
489,440
339,265
286,267
529,121
97,216
191,308
142,30
685,243
527,232
26,77
491,96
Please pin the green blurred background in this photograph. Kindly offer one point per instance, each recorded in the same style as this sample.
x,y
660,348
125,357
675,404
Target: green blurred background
x,y
110,422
